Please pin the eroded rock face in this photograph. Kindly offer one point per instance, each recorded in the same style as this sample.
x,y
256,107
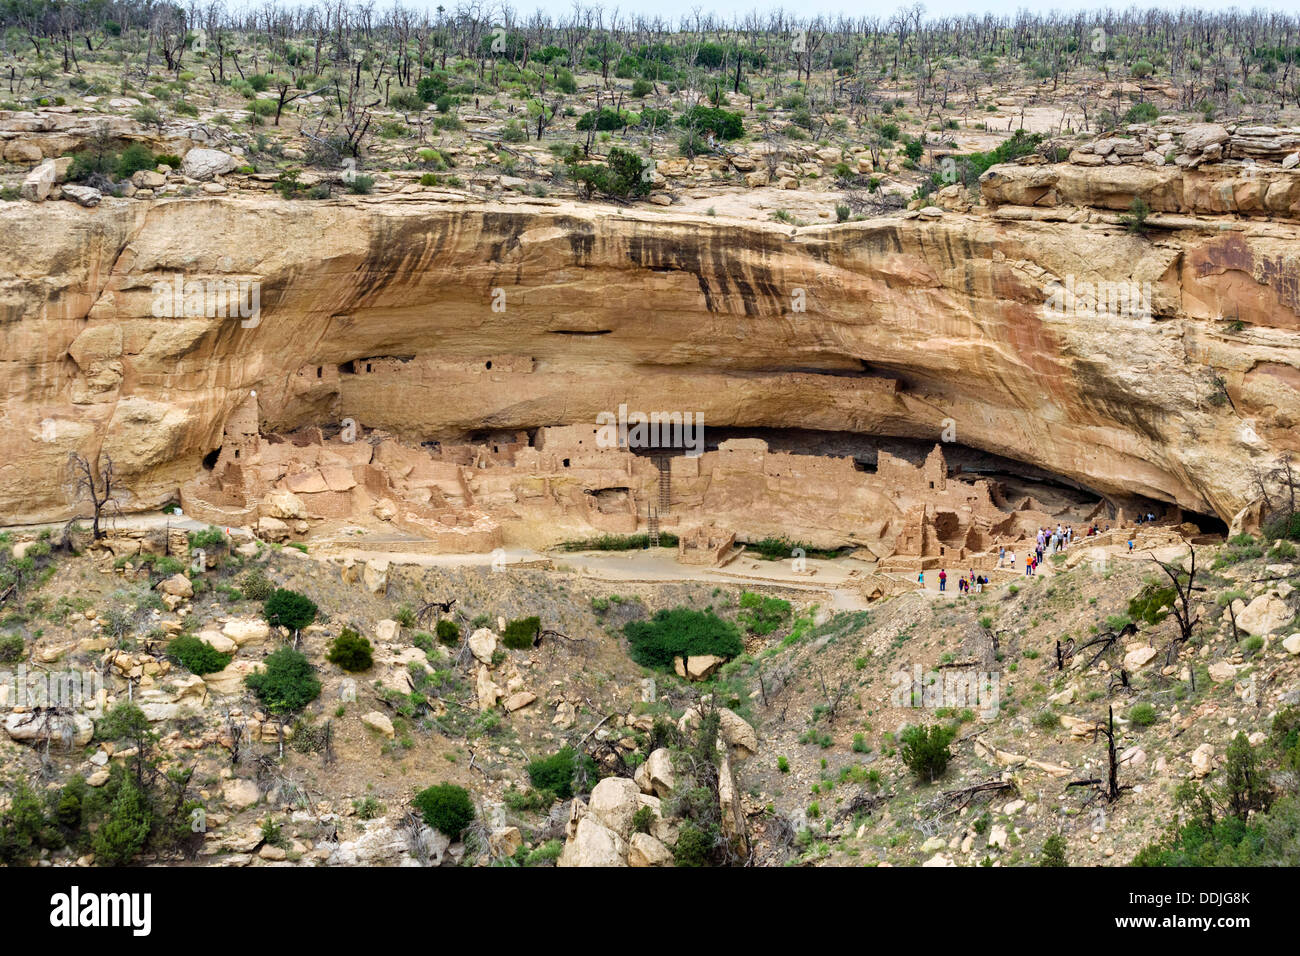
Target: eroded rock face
x,y
906,325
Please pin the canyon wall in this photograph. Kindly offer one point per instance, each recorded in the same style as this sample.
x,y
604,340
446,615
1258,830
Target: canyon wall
x,y
433,320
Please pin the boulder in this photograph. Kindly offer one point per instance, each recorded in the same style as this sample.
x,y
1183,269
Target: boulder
x,y
483,644
1203,135
659,773
272,529
240,794
246,630
178,585
488,691
378,722
737,733
1138,658
697,667
519,700
703,666
505,841
645,850
383,844
38,183
203,164
1292,644
148,179
21,151
375,576
613,803
565,715
86,196
65,731
1019,185
1221,672
218,642
231,680
284,505
593,845
1264,615
387,631
1203,760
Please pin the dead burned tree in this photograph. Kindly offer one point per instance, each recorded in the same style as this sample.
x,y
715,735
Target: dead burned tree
x,y
432,610
235,734
772,681
95,484
1107,641
1112,789
834,698
1184,582
1064,654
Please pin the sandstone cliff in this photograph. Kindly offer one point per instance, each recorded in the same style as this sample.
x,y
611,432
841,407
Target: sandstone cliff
x,y
518,315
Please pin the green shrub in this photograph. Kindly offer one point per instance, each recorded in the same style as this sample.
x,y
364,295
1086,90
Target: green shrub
x,y
681,632
255,585
12,648
1141,113
1152,603
209,539
643,820
603,119
196,656
289,609
133,159
432,86
762,615
1142,715
351,651
361,185
527,801
123,834
557,772
406,101
548,852
925,750
694,844
447,808
448,632
1053,853
289,682
24,827
723,124
1135,220
620,177
519,635
619,542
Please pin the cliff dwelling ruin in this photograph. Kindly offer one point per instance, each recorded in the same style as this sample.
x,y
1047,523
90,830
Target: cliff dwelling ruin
x,y
908,509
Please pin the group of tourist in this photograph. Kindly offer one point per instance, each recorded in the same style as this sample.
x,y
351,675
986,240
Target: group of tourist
x,y
966,584
1046,543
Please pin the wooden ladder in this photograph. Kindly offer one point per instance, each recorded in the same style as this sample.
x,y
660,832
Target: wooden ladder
x,y
663,463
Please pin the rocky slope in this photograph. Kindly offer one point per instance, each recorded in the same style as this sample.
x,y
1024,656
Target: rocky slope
x,y
529,313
